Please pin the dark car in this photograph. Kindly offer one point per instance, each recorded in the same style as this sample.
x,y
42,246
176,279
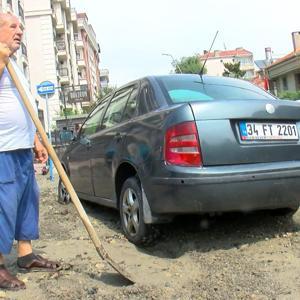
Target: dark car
x,y
169,145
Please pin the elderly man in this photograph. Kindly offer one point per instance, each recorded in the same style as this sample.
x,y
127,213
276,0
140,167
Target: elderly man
x,y
18,188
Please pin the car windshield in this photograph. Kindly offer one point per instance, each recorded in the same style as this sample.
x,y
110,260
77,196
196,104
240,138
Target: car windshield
x,y
181,90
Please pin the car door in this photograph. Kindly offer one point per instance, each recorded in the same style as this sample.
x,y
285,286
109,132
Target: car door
x,y
107,144
80,155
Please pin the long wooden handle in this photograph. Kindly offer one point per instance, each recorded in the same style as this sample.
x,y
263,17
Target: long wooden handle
x,y
89,227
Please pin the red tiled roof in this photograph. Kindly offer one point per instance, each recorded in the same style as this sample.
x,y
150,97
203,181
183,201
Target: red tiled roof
x,y
226,53
285,58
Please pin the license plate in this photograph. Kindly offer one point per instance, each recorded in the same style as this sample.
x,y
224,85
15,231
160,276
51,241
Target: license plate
x,y
268,131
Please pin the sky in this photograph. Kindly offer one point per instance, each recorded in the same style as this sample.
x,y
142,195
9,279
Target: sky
x,y
133,34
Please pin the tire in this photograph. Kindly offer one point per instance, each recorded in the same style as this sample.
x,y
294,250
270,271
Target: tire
x,y
63,195
131,214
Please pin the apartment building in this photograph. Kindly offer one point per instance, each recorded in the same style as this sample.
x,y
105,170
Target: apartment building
x,y
17,8
216,59
54,32
87,53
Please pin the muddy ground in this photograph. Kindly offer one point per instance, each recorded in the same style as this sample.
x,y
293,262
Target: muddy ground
x,y
233,256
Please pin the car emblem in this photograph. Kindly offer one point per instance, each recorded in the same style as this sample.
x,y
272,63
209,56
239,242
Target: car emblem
x,y
270,108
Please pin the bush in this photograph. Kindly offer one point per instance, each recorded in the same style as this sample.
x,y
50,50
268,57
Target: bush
x,y
289,95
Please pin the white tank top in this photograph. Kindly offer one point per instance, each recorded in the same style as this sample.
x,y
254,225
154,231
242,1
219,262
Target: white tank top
x,y
16,127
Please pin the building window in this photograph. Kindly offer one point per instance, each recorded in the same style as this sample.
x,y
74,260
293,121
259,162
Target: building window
x,y
285,84
245,61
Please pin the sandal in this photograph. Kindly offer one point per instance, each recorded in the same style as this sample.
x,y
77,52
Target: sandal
x,y
9,282
36,263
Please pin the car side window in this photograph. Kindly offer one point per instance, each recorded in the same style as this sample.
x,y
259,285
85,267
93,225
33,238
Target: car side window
x,y
114,112
147,101
130,109
92,123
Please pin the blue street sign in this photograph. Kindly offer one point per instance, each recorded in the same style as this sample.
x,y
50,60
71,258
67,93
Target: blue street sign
x,y
45,88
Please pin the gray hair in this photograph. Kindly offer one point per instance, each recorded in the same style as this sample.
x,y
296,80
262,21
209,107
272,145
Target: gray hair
x,y
5,16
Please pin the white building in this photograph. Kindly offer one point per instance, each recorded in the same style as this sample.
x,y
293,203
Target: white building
x,y
52,29
216,59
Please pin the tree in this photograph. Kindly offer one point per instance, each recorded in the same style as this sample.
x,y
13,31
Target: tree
x,y
233,70
105,91
189,65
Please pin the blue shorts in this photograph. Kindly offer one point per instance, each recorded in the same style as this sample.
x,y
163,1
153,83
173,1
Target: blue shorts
x,y
19,199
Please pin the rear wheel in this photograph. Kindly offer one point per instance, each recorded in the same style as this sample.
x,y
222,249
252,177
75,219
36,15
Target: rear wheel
x,y
63,195
131,214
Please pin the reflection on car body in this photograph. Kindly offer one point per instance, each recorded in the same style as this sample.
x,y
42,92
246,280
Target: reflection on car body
x,y
184,144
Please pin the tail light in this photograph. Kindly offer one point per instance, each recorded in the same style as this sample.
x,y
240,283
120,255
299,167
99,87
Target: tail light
x,y
182,145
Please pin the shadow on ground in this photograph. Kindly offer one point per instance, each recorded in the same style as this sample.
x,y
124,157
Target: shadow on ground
x,y
205,233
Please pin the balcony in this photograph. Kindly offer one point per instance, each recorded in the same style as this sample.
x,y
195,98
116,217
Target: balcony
x,y
81,24
62,2
61,48
78,41
83,81
63,74
73,15
80,61
60,28
68,4
54,18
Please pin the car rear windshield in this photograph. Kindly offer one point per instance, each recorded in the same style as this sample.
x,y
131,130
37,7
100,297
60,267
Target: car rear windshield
x,y
186,90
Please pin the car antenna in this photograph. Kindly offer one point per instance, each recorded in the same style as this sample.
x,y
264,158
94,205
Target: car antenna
x,y
202,69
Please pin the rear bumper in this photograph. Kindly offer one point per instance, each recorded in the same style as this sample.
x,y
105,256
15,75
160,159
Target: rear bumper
x,y
230,188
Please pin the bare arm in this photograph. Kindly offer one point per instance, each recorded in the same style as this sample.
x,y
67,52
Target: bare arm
x,y
40,151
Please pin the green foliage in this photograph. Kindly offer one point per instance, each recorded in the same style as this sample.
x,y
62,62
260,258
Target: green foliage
x,y
87,109
189,65
233,70
105,91
289,95
68,111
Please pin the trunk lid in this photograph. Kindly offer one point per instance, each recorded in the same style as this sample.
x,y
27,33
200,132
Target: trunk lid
x,y
218,124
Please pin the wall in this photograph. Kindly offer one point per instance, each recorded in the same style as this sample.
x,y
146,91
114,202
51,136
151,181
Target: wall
x,y
41,53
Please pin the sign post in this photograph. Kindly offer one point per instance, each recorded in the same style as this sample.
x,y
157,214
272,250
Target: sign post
x,y
46,89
